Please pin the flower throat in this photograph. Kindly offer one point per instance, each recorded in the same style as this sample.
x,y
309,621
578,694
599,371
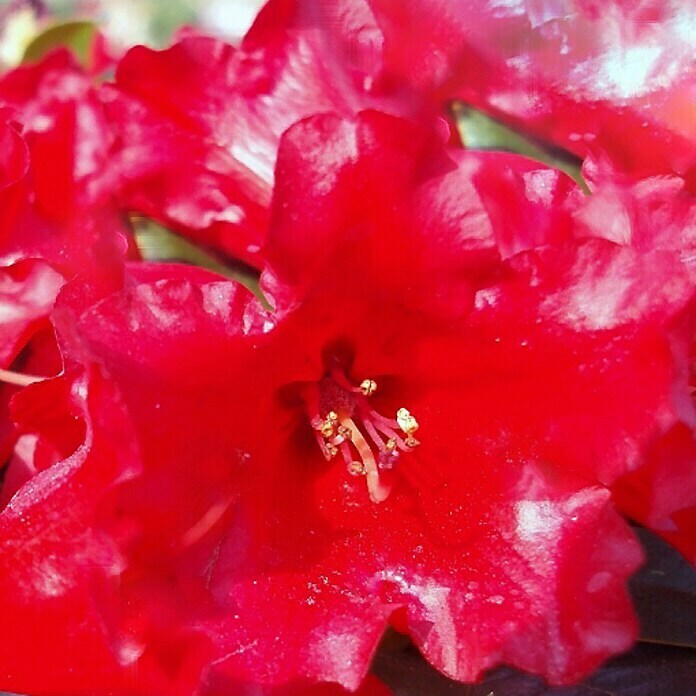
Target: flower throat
x,y
345,424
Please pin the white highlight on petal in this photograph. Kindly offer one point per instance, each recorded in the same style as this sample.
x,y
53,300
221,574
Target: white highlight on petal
x,y
626,70
536,518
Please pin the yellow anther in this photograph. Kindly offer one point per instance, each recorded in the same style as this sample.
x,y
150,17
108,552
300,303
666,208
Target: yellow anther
x,y
411,441
390,444
332,417
332,450
356,468
406,421
345,432
368,387
327,429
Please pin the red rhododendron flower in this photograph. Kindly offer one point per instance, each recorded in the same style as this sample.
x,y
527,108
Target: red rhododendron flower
x,y
55,211
661,494
67,568
221,110
418,429
609,84
612,77
656,213
53,223
20,285
27,287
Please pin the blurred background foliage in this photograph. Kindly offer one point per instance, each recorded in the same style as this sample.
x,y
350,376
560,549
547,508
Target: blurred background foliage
x,y
154,21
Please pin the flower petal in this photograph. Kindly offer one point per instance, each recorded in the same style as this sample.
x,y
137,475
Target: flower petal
x,y
223,109
617,81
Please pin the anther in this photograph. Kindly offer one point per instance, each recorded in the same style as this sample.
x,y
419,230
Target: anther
x,y
406,421
368,387
327,429
356,468
389,456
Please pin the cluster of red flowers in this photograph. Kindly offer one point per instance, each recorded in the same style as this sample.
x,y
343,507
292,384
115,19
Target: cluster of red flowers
x,y
461,375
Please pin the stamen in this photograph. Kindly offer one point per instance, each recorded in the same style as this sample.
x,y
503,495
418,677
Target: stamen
x,y
324,447
406,421
390,433
356,468
19,379
353,421
372,432
327,429
368,387
389,456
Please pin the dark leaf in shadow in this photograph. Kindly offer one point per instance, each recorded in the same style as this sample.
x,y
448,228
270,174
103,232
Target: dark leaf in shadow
x,y
648,670
664,594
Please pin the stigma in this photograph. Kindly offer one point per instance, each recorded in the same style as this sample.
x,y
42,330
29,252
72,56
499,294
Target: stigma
x,y
347,427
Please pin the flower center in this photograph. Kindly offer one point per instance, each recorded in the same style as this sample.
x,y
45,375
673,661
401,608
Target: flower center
x,y
345,424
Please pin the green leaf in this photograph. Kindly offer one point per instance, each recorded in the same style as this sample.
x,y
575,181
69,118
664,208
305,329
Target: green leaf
x,y
479,131
78,36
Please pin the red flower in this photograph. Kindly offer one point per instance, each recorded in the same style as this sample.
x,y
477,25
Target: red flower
x,y
20,284
53,222
279,509
656,213
222,109
613,77
65,571
200,122
54,210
